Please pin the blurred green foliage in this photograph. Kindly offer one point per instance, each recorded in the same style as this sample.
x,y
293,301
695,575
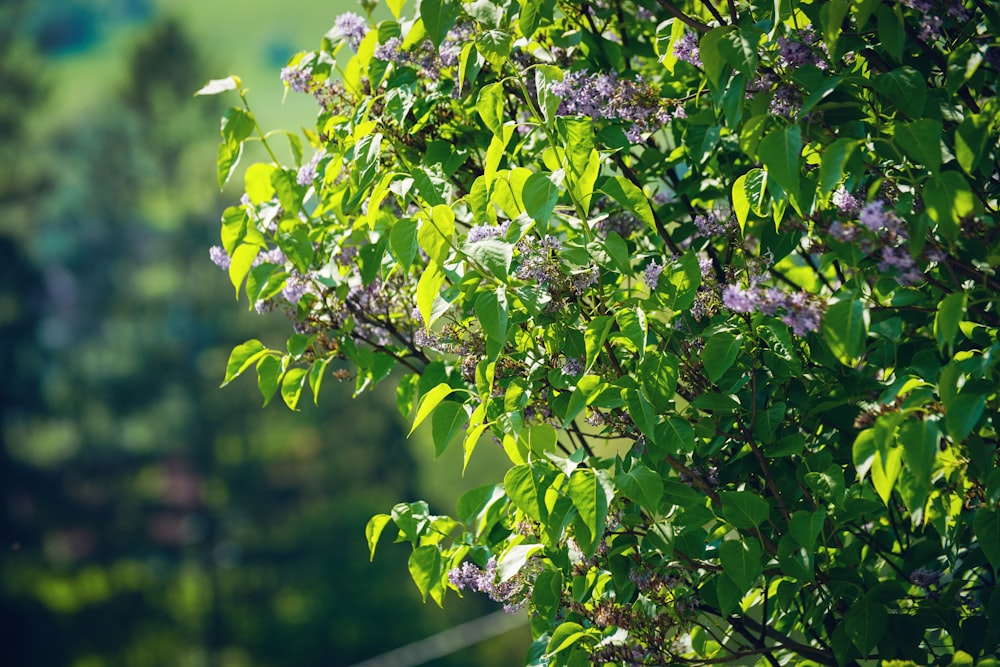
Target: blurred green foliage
x,y
148,518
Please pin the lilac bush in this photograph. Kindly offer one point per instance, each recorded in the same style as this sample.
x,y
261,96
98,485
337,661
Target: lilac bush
x,y
719,278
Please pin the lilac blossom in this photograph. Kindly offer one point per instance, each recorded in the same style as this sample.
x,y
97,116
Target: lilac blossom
x,y
796,53
298,79
511,592
651,276
586,279
845,202
573,367
786,102
686,49
351,27
219,257
925,578
740,300
710,226
873,216
607,96
483,232
307,172
295,288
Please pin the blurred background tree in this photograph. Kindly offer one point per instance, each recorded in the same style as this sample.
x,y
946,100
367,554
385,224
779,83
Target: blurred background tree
x,y
149,518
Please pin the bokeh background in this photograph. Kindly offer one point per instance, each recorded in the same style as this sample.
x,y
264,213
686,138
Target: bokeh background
x,y
149,517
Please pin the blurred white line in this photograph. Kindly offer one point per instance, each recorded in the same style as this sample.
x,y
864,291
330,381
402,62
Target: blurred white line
x,y
448,641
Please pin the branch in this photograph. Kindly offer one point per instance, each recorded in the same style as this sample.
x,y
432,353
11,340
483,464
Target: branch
x,y
678,14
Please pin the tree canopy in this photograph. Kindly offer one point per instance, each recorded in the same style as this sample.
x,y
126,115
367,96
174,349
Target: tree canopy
x,y
719,279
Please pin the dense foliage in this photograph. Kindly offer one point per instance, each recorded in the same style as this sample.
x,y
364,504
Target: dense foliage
x,y
720,280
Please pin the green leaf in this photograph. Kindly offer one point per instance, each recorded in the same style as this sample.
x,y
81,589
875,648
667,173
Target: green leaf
x,y
590,501
643,486
948,199
491,311
919,439
438,17
835,157
316,374
428,402
449,418
863,452
436,233
633,326
658,376
495,46
492,254
970,141
720,352
986,527
425,568
891,31
950,312
905,90
269,371
216,86
594,336
780,151
748,195
530,17
921,141
675,435
739,48
741,561
229,157
629,195
587,389
489,104
886,466
806,526
526,485
962,414
427,291
403,241
743,509
374,530
240,263
711,54
865,623
514,559
540,196
291,386
845,330
241,358
564,637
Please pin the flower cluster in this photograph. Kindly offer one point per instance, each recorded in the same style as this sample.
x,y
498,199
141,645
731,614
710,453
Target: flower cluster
x,y
686,49
483,232
933,13
351,27
801,311
609,97
805,50
513,593
709,225
425,57
307,172
880,230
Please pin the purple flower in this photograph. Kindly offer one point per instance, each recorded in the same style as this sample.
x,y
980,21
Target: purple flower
x,y
389,51
652,274
925,578
572,367
219,257
294,288
709,226
686,49
845,202
307,172
740,300
872,216
351,27
297,79
483,232
786,102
